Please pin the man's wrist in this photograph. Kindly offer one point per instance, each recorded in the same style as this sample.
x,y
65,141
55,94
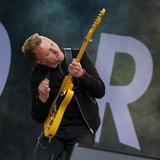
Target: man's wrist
x,y
83,74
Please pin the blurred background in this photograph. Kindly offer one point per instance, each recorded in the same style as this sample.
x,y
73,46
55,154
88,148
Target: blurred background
x,y
67,23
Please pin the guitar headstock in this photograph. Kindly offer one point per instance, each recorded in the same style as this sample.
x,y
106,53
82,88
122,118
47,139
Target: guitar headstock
x,y
102,12
99,17
90,33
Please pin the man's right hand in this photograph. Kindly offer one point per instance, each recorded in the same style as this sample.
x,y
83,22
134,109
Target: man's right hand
x,y
43,90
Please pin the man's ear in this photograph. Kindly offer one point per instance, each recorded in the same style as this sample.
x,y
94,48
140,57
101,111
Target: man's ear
x,y
38,61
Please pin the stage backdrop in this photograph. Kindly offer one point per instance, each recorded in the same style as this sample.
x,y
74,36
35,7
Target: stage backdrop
x,y
125,49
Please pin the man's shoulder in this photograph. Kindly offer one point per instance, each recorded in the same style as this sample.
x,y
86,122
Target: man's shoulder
x,y
70,48
35,68
74,50
38,70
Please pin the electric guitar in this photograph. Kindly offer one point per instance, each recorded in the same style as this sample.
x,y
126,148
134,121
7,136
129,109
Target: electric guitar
x,y
65,92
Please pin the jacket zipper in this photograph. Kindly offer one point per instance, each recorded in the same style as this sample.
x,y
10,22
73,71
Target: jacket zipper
x,y
83,115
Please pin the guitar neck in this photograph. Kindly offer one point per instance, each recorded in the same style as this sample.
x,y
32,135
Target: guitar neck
x,y
90,34
86,41
68,79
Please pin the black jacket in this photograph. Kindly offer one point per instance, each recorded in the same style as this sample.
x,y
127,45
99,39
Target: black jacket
x,y
86,89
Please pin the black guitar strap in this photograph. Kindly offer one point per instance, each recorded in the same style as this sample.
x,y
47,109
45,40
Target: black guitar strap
x,y
68,55
69,58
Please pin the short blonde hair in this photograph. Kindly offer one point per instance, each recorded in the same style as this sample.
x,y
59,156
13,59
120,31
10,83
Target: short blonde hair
x,y
30,44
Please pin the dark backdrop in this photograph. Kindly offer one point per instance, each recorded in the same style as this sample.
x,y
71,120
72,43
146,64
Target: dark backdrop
x,y
67,22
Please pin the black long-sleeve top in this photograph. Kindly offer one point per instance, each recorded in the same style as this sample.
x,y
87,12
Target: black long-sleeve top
x,y
83,108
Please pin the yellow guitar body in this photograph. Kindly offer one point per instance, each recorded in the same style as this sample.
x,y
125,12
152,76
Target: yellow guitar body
x,y
50,129
56,113
53,121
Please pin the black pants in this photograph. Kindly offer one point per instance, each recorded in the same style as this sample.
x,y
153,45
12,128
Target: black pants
x,y
63,142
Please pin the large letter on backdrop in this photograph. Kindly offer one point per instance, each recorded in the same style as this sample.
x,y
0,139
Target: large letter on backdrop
x,y
5,57
120,96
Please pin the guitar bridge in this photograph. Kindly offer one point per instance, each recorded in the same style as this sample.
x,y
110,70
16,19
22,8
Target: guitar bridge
x,y
53,111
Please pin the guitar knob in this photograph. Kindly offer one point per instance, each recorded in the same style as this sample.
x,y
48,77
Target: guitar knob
x,y
52,118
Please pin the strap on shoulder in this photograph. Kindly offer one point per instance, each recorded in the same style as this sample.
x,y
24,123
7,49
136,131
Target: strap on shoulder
x,y
68,55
